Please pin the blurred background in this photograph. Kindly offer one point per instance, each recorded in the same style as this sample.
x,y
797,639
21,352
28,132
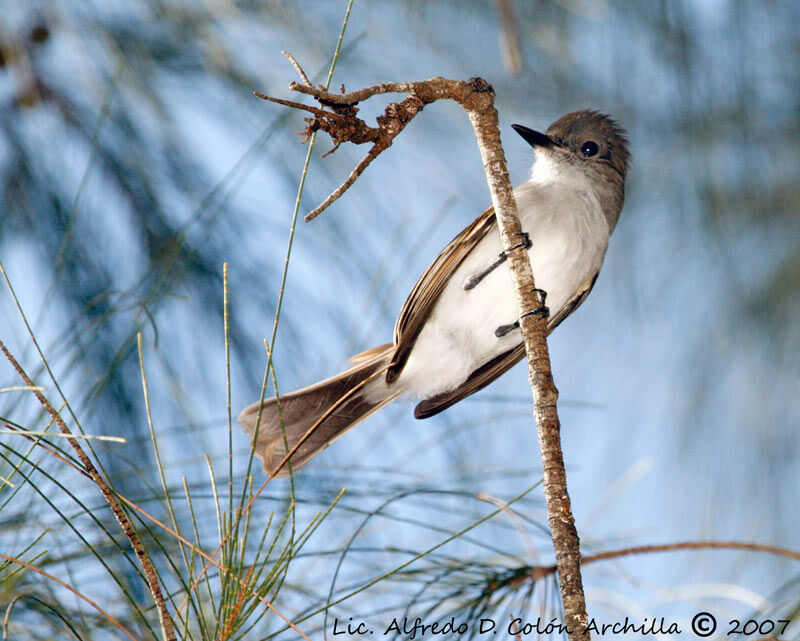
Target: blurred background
x,y
135,161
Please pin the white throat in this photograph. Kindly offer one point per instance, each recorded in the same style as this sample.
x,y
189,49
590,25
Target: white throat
x,y
550,168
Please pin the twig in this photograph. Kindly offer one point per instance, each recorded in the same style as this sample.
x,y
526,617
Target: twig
x,y
67,586
538,572
122,518
292,103
342,124
297,68
354,97
476,96
517,634
360,167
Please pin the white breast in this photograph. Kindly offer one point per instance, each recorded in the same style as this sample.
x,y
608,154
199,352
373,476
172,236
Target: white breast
x,y
569,235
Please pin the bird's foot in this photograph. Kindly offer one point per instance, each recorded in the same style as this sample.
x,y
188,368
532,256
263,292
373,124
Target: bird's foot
x,y
473,280
541,310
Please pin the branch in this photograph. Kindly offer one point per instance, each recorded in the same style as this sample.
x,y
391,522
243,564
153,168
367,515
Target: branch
x,y
122,518
340,122
476,96
566,543
540,571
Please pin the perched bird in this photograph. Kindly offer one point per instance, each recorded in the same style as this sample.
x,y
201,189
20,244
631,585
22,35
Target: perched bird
x,y
457,331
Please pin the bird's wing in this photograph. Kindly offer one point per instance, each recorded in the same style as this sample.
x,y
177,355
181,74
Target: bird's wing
x,y
573,303
499,365
429,287
479,379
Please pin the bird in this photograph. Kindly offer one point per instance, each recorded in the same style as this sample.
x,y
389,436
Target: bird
x,y
457,332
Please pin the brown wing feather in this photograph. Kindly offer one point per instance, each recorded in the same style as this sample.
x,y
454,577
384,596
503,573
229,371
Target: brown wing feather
x,y
369,354
572,304
426,292
499,365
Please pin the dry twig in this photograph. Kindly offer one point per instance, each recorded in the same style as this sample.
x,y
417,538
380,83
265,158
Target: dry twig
x,y
538,572
297,68
67,586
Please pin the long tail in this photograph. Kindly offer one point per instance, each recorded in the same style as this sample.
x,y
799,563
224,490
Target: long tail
x,y
330,407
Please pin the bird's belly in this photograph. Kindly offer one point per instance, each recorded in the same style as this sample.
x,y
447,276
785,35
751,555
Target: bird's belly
x,y
460,334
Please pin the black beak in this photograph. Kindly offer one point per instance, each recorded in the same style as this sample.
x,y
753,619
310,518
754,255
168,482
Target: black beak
x,y
534,138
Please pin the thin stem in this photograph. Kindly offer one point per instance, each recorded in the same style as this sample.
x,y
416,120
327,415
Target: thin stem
x,y
245,508
227,334
67,586
162,477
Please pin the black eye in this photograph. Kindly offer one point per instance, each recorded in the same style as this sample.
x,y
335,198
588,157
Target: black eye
x,y
589,148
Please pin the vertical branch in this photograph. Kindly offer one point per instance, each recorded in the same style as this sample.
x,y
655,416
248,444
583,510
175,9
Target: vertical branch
x,y
483,116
